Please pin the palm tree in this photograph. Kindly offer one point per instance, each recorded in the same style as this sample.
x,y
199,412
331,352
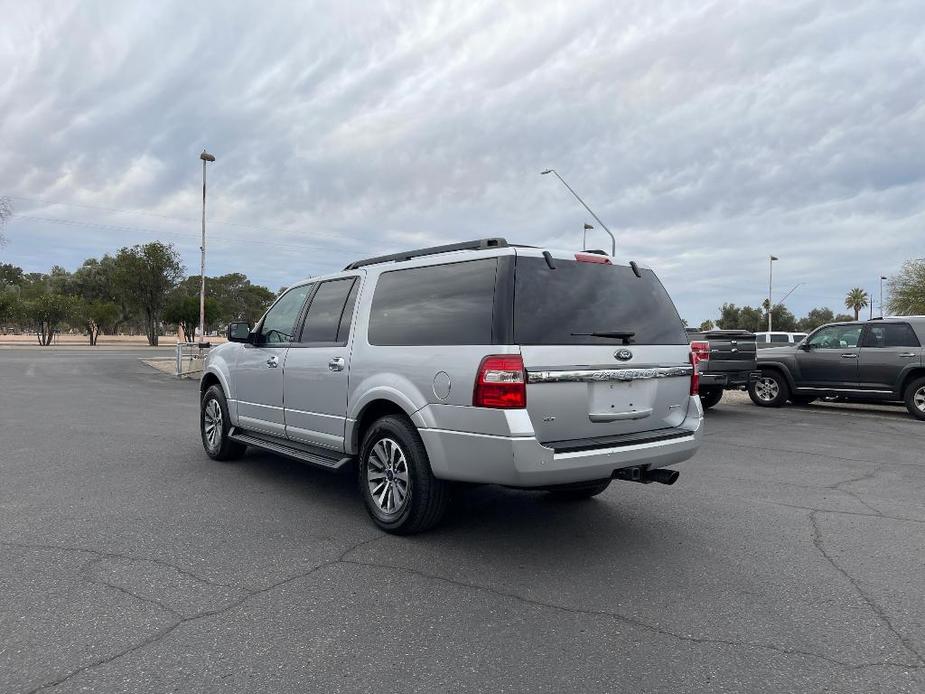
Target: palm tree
x,y
857,299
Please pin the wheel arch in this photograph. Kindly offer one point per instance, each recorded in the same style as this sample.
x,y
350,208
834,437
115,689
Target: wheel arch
x,y
372,410
780,368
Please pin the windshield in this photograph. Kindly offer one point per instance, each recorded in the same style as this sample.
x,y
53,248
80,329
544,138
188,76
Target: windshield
x,y
552,306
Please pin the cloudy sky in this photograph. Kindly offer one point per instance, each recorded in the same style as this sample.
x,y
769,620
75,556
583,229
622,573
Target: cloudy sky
x,y
705,134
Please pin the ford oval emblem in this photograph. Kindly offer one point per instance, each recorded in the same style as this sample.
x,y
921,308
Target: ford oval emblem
x,y
623,354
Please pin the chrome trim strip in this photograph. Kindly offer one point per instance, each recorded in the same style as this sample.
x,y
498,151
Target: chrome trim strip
x,y
844,390
593,375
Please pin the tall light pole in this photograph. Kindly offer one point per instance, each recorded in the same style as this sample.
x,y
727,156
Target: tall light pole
x,y
206,157
770,284
584,238
613,239
881,295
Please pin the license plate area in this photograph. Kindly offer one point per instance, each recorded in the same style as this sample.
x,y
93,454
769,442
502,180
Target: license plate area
x,y
613,400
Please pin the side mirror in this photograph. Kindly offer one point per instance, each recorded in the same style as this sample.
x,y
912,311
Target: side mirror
x,y
239,331
805,346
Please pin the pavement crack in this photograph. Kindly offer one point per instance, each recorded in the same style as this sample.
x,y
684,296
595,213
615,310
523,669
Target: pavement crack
x,y
875,608
118,555
624,618
900,519
162,634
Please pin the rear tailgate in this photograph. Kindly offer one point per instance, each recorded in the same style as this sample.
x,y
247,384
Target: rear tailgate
x,y
583,386
730,350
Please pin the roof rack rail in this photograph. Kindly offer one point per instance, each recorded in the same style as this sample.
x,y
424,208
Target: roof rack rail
x,y
477,245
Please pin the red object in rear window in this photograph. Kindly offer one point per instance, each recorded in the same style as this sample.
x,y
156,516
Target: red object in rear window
x,y
592,258
500,382
700,349
695,377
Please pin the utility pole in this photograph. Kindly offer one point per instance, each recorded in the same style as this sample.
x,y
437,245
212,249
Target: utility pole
x,y
881,295
613,239
770,285
206,157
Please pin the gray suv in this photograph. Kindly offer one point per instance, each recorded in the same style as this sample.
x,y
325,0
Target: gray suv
x,y
877,360
478,362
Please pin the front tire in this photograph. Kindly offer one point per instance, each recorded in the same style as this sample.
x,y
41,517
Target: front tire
x,y
710,397
769,390
214,425
915,398
401,493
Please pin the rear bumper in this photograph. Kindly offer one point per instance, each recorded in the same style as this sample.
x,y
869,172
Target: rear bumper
x,y
522,461
729,379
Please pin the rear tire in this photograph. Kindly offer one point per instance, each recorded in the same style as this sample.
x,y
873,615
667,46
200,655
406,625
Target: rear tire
x,y
398,487
915,398
769,390
581,491
214,425
710,397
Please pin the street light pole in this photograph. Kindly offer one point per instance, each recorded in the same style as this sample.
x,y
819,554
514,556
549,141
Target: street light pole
x,y
770,284
881,295
613,239
206,157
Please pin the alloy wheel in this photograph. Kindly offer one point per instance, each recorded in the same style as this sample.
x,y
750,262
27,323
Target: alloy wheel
x,y
766,389
212,424
387,476
918,399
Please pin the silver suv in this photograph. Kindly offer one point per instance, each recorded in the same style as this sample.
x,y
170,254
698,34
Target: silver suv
x,y
478,362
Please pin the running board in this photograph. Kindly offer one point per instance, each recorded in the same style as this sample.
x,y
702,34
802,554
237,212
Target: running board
x,y
330,460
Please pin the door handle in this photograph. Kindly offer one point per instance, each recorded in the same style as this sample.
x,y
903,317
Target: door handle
x,y
336,364
849,356
907,355
273,362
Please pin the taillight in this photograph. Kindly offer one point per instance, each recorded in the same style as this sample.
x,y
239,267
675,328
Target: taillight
x,y
700,349
592,258
500,382
695,376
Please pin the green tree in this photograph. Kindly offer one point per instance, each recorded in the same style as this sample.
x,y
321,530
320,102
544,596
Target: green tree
x,y
46,313
843,318
10,274
814,318
145,274
729,317
236,297
706,326
9,305
857,299
97,317
184,311
907,290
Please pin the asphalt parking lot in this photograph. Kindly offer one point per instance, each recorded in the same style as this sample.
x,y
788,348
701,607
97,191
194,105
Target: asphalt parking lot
x,y
790,556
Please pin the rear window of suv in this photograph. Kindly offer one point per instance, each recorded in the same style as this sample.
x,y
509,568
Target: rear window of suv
x,y
448,304
551,306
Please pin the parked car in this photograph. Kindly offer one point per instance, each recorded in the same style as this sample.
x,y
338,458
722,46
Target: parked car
x,y
777,339
877,360
726,360
478,362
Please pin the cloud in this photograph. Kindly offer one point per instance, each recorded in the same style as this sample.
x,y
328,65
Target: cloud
x,y
706,134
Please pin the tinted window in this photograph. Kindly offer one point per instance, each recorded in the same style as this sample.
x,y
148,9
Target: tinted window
x,y
436,305
343,331
550,306
324,313
890,335
799,337
280,319
778,337
836,337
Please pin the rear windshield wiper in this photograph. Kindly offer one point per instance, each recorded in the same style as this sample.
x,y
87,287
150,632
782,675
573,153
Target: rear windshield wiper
x,y
615,334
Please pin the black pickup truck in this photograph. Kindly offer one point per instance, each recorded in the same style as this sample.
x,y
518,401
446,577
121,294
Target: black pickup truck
x,y
726,360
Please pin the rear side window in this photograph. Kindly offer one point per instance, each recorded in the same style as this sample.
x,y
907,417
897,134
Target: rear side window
x,y
323,319
890,335
551,307
435,305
